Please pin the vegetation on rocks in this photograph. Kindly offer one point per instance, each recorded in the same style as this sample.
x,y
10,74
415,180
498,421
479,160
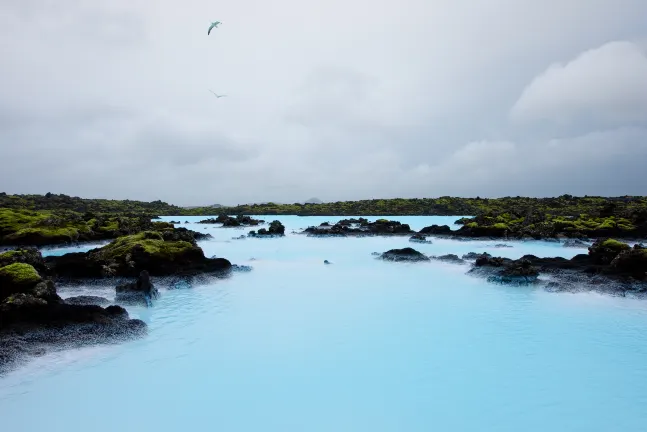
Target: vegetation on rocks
x,y
620,222
159,253
39,228
565,205
53,202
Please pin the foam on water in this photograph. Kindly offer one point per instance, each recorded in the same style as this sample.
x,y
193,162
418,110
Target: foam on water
x,y
359,345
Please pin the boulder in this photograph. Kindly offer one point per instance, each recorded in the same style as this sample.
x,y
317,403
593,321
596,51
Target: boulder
x,y
128,256
450,258
275,229
405,254
604,250
436,230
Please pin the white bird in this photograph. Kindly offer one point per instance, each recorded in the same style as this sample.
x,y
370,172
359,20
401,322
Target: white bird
x,y
213,25
217,95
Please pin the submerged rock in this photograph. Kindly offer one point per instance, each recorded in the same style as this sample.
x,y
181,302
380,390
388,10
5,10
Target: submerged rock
x,y
451,258
405,254
142,290
419,238
471,256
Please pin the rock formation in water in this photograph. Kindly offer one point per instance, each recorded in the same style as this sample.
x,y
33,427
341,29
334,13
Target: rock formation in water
x,y
419,238
275,229
232,222
608,262
140,291
450,258
360,227
405,254
34,319
128,256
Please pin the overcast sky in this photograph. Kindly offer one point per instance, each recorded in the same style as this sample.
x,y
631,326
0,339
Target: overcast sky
x,y
336,99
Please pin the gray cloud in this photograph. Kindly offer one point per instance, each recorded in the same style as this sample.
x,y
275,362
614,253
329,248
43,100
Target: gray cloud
x,y
352,100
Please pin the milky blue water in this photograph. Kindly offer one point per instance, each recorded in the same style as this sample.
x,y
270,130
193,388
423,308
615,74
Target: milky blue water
x,y
359,345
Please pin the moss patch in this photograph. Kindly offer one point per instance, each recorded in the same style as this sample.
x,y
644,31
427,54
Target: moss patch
x,y
19,274
615,245
152,242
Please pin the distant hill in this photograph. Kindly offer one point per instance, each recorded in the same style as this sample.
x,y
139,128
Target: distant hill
x,y
314,201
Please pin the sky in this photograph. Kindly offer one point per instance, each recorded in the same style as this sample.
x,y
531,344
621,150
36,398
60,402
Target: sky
x,y
334,99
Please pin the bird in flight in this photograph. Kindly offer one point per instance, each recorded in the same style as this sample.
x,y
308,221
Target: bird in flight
x,y
217,95
213,25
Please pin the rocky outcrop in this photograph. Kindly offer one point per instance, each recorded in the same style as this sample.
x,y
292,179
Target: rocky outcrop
x,y
34,319
360,227
30,326
232,222
436,230
128,256
25,227
405,254
508,271
608,259
275,229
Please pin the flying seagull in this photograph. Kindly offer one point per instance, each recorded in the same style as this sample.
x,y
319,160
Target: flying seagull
x,y
217,95
213,25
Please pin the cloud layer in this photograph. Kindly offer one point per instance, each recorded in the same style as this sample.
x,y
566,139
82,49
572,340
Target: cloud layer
x,y
339,100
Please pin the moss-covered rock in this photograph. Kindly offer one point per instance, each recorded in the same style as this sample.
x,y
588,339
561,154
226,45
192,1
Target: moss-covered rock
x,y
31,256
130,255
603,251
22,227
19,274
632,262
17,278
275,229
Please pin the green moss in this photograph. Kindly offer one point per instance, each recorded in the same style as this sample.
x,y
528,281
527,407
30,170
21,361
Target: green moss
x,y
472,225
9,254
44,234
152,242
500,226
608,224
14,220
615,245
19,274
162,225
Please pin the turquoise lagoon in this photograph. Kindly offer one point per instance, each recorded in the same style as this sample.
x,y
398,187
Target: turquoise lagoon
x,y
359,345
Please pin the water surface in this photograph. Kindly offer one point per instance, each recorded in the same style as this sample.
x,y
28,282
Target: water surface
x,y
359,345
